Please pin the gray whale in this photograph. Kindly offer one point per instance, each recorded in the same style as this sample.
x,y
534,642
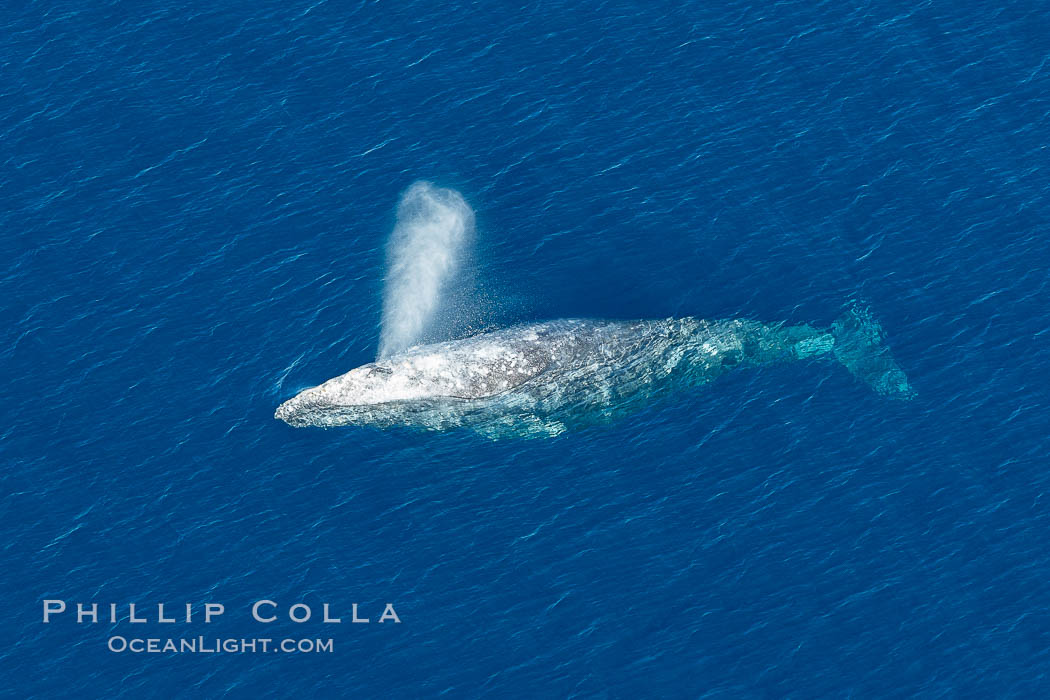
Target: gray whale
x,y
544,378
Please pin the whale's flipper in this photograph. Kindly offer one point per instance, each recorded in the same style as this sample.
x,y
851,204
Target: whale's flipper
x,y
860,346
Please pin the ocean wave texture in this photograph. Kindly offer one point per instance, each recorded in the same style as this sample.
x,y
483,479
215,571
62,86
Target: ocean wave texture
x,y
196,198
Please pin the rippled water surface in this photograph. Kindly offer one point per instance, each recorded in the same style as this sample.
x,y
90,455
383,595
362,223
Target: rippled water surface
x,y
195,200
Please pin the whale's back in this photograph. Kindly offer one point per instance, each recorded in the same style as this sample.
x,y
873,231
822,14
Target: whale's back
x,y
473,368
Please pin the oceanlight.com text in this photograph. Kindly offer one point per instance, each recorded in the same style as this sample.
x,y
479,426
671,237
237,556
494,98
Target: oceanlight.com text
x,y
217,645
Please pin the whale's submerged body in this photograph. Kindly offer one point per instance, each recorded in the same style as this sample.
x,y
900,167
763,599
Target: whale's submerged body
x,y
544,378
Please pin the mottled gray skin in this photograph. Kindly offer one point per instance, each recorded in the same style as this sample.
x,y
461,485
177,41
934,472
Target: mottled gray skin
x,y
544,378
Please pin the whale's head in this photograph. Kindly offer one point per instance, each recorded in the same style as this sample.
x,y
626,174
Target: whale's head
x,y
359,396
431,380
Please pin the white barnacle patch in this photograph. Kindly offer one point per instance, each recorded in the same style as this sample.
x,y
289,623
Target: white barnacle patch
x,y
430,363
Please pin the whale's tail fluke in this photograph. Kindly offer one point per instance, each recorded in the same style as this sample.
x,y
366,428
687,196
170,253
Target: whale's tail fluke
x,y
860,346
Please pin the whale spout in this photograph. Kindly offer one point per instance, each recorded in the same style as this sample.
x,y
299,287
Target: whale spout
x,y
424,254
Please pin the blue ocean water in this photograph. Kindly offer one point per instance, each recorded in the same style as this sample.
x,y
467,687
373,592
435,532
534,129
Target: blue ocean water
x,y
195,199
